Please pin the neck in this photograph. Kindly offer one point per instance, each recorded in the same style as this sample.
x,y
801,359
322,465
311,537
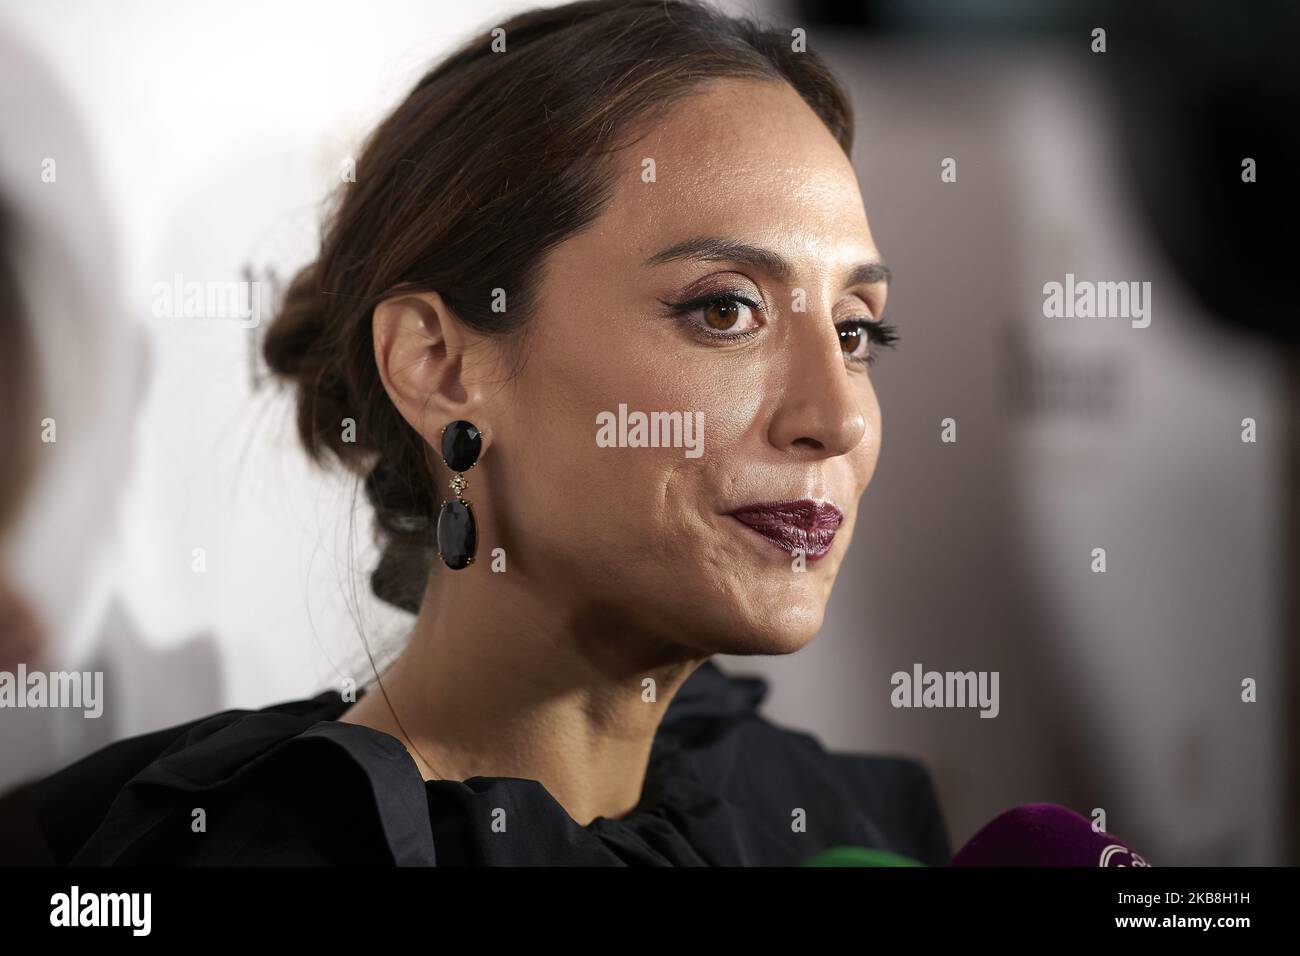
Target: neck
x,y
500,680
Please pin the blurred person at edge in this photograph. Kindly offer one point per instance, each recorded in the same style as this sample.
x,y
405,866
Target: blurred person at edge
x,y
70,372
20,631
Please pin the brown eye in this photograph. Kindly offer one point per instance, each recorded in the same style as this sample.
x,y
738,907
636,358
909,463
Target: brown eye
x,y
722,314
860,338
854,341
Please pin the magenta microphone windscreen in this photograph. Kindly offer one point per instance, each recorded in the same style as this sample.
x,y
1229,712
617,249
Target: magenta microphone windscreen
x,y
1044,834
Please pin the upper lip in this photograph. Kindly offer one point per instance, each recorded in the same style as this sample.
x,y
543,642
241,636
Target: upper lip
x,y
800,526
801,513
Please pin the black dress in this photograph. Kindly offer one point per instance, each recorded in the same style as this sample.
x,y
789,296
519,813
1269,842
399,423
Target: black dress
x,y
291,785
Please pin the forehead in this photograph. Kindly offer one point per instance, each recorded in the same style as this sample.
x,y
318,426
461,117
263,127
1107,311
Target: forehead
x,y
745,159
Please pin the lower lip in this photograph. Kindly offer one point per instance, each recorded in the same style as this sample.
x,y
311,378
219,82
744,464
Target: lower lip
x,y
814,544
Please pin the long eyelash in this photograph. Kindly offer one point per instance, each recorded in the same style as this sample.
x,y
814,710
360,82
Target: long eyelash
x,y
882,335
726,295
729,296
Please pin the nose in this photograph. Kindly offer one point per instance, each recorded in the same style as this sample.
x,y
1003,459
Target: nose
x,y
820,412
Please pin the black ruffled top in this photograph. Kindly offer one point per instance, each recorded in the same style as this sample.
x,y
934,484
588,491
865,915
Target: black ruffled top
x,y
291,785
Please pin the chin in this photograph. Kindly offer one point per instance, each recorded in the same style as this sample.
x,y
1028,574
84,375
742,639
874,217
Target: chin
x,y
776,631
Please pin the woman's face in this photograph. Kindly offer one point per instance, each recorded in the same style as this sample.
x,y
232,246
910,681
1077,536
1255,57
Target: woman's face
x,y
649,535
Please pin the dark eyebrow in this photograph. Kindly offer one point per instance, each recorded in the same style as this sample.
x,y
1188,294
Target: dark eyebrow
x,y
714,249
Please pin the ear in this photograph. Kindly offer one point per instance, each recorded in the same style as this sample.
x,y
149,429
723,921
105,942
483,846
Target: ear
x,y
420,349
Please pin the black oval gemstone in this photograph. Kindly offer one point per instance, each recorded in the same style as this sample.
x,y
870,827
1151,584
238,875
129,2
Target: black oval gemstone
x,y
457,534
461,444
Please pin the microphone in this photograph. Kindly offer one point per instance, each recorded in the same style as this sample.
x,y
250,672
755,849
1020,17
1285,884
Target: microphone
x,y
858,856
1044,834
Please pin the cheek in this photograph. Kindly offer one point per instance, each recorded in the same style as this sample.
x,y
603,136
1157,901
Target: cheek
x,y
567,494
569,392
560,486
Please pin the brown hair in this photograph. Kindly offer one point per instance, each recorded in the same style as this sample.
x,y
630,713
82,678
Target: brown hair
x,y
491,161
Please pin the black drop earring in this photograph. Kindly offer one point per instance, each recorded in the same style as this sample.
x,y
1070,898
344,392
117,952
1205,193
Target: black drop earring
x,y
457,530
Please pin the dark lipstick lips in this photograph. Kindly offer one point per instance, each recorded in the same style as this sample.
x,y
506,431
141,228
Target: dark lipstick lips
x,y
802,525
